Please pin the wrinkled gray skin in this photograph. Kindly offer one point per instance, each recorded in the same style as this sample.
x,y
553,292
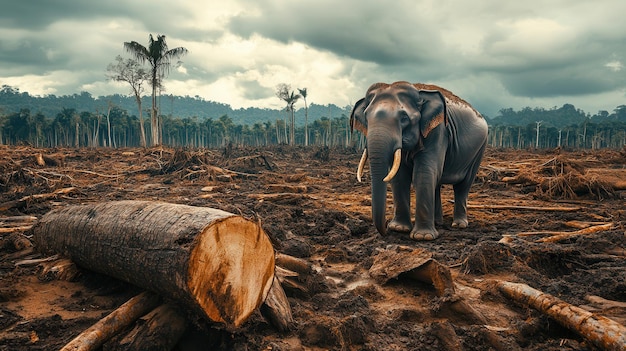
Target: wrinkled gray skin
x,y
442,140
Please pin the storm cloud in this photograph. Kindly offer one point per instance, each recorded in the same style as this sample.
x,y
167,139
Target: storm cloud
x,y
494,54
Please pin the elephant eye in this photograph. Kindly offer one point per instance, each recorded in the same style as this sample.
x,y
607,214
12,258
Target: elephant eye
x,y
404,118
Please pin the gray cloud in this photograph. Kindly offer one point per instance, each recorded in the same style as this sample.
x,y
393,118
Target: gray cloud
x,y
380,32
495,54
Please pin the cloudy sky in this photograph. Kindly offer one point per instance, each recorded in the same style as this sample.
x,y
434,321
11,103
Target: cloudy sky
x,y
495,54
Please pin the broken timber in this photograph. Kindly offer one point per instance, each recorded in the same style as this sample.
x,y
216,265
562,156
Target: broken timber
x,y
215,262
601,331
123,316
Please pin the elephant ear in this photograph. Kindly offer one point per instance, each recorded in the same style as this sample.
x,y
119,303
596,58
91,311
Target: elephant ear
x,y
357,117
433,111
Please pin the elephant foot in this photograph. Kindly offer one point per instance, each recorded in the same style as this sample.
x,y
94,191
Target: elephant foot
x,y
399,226
424,235
460,223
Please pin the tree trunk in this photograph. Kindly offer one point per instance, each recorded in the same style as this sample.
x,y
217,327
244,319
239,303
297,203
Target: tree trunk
x,y
212,261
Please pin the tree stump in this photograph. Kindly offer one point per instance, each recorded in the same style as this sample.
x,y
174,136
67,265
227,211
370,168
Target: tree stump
x,y
219,264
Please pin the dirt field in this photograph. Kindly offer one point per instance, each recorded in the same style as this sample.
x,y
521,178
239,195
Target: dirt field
x,y
323,215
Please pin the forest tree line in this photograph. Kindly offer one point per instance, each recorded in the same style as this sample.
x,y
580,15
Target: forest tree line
x,y
111,125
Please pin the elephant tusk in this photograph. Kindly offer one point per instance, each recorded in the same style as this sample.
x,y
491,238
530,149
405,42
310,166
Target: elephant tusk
x,y
359,171
397,157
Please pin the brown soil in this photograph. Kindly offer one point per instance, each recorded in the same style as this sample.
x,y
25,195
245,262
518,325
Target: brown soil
x,y
324,217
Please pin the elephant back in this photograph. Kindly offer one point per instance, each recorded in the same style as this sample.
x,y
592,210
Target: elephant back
x,y
451,98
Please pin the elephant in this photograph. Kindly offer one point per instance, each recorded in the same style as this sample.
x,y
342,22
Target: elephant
x,y
420,135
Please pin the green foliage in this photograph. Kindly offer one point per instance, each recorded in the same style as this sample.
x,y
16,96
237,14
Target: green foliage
x,y
52,121
555,117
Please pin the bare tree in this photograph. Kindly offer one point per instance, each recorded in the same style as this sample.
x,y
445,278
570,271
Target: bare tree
x,y
131,72
537,141
303,93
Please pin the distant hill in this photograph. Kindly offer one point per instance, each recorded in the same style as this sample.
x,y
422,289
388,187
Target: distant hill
x,y
12,100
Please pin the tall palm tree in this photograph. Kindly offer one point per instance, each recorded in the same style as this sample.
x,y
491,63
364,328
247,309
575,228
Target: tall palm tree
x,y
159,57
303,93
290,97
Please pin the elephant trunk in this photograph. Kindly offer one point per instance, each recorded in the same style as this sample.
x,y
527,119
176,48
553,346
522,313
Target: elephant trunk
x,y
381,150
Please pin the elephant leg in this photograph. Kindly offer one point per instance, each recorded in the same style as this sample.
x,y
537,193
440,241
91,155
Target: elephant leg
x,y
461,193
425,189
401,189
438,209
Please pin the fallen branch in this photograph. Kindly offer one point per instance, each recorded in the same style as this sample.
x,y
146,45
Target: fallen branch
x,y
104,329
604,303
600,331
528,208
617,252
99,174
582,225
279,197
36,261
15,229
293,263
161,329
568,235
586,230
26,199
20,219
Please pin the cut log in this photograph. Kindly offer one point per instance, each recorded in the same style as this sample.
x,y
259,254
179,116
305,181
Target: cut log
x,y
294,264
213,261
603,332
158,330
276,309
104,329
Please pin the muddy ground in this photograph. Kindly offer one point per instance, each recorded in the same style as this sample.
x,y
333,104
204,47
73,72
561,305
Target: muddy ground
x,y
323,216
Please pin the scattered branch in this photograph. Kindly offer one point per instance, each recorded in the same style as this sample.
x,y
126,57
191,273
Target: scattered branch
x,y
601,331
527,208
116,321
